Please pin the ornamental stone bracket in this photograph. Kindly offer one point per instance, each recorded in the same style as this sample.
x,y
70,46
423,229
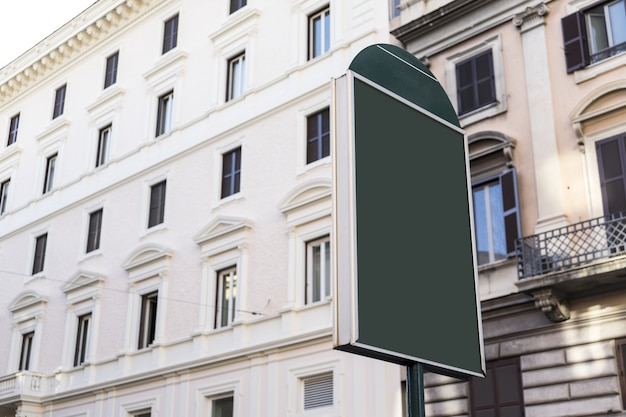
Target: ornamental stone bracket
x,y
552,304
531,17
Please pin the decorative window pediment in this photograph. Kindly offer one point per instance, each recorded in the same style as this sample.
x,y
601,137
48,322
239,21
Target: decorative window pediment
x,y
82,281
601,112
222,231
309,200
27,300
489,152
145,255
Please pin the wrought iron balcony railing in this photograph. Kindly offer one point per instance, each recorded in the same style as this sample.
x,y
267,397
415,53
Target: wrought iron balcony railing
x,y
571,246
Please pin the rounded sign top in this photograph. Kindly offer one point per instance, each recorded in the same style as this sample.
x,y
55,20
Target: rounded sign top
x,y
402,73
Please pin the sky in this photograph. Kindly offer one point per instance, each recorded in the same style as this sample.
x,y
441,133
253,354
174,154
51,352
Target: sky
x,y
26,22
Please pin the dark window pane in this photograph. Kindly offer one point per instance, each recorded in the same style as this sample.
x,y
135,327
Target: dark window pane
x,y
110,76
157,204
170,34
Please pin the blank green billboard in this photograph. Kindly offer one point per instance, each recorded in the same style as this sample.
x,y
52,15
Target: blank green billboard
x,y
405,271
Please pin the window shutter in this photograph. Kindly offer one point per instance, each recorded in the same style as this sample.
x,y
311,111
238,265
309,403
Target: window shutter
x,y
510,206
318,391
575,41
611,155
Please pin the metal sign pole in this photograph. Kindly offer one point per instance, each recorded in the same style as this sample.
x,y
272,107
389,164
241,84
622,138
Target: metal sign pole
x,y
415,390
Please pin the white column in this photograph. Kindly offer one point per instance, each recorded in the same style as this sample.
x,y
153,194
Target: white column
x,y
548,182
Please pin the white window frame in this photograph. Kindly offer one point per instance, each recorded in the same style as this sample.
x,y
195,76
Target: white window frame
x,y
165,110
5,189
499,106
105,135
50,172
13,131
28,309
326,282
148,271
82,292
236,76
218,161
229,275
236,37
147,192
303,114
302,10
206,395
40,273
308,211
311,44
138,408
223,244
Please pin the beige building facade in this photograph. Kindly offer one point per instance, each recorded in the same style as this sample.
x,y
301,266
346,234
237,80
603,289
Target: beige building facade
x,y
539,88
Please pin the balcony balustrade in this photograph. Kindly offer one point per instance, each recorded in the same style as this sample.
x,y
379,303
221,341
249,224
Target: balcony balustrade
x,y
23,383
571,246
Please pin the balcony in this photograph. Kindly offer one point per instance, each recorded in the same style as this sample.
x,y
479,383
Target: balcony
x,y
20,385
581,257
571,246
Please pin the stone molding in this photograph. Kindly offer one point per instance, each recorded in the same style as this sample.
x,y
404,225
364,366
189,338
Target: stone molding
x,y
531,17
552,304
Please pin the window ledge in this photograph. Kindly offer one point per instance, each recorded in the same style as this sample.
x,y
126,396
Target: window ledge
x,y
56,130
599,68
10,155
484,112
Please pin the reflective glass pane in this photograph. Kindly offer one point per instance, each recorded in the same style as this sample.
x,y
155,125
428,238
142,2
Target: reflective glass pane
x,y
480,226
497,221
617,19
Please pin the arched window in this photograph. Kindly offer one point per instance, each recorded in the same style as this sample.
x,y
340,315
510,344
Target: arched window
x,y
494,192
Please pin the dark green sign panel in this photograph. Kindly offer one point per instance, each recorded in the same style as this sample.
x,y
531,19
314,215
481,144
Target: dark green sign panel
x,y
405,271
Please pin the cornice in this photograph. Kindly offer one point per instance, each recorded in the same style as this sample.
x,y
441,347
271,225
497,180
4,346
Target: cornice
x,y
83,33
437,18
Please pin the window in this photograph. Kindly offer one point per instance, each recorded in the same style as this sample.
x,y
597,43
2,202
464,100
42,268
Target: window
x,y
495,197
611,154
59,101
147,319
82,334
104,138
95,227
395,11
170,34
164,113
110,73
156,214
594,34
236,76
500,392
26,351
495,217
231,172
475,82
226,295
319,33
4,196
318,391
318,136
318,270
48,182
236,5
13,126
620,345
40,253
222,407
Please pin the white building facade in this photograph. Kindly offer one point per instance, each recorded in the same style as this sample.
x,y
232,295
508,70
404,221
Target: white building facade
x,y
165,214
